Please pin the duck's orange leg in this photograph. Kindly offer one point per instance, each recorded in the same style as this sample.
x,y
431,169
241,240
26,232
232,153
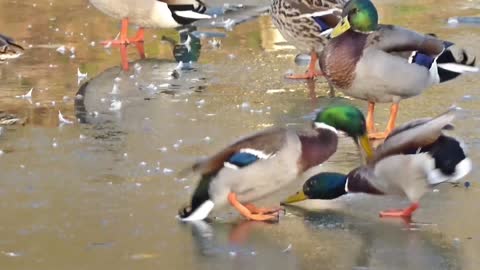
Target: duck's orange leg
x,y
311,73
370,121
407,212
123,40
262,210
390,125
232,198
139,36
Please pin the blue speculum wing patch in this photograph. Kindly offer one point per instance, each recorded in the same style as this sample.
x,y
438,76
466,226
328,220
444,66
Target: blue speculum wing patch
x,y
322,24
423,60
242,159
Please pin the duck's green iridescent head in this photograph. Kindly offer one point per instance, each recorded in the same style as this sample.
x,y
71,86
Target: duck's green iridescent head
x,y
358,15
323,186
348,119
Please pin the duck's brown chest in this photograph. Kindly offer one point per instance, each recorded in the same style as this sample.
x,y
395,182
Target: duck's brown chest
x,y
317,149
339,58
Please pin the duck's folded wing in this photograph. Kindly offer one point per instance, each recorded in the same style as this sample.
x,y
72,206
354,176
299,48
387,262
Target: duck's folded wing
x,y
244,152
326,14
413,135
395,39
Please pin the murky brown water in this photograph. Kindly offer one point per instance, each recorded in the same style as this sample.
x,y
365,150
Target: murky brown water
x,y
103,193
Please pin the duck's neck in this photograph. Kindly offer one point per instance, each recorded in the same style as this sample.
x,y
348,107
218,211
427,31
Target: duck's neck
x,y
317,148
357,181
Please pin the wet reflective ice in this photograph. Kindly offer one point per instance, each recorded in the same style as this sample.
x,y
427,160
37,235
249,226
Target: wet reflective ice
x,y
96,185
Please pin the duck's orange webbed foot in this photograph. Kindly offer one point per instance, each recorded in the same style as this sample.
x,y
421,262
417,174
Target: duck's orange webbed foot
x,y
247,213
403,213
262,210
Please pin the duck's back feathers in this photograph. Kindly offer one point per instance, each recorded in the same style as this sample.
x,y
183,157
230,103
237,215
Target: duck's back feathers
x,y
416,156
260,145
390,38
446,59
414,135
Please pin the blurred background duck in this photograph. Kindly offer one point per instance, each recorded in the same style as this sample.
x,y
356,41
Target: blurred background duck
x,y
263,163
386,63
306,24
148,14
414,158
8,48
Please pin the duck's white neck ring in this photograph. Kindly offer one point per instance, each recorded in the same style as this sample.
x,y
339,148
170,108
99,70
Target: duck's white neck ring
x,y
319,125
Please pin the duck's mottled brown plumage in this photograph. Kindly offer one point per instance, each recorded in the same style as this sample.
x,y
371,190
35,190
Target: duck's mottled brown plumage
x,y
303,32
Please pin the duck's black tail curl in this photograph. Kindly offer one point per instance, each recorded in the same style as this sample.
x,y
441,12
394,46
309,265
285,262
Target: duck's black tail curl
x,y
455,61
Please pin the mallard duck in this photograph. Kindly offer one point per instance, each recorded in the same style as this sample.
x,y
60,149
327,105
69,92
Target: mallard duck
x,y
386,63
414,158
149,14
306,24
263,163
8,48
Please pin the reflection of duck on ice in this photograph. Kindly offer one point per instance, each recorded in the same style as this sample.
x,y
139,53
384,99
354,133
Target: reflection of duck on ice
x,y
348,242
108,91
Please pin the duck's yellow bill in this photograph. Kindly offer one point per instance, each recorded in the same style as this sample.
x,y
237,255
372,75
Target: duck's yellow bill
x,y
341,28
366,146
299,196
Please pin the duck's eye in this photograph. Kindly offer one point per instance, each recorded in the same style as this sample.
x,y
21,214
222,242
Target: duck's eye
x,y
354,11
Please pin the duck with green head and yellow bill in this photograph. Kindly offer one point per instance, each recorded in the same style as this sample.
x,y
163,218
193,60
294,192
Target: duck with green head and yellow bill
x,y
386,63
263,163
415,157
